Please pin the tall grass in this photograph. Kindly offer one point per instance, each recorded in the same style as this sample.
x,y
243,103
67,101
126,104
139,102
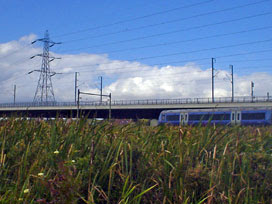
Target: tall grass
x,y
90,162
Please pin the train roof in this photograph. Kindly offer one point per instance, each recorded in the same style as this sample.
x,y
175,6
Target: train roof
x,y
216,109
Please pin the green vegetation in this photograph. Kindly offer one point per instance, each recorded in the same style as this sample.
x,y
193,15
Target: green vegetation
x,y
81,162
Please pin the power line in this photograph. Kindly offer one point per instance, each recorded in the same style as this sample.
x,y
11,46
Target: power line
x,y
188,52
171,32
134,19
160,74
202,50
21,61
155,76
167,63
16,51
129,71
250,60
183,40
190,40
238,67
176,61
172,62
168,22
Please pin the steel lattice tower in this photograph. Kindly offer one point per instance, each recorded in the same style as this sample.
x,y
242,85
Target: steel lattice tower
x,y
44,91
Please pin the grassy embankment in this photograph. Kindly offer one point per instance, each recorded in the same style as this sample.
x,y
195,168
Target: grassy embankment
x,y
57,162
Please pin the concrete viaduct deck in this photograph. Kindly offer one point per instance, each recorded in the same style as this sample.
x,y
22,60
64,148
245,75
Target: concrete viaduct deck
x,y
128,108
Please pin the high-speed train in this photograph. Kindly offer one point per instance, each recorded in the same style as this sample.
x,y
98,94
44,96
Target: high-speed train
x,y
224,116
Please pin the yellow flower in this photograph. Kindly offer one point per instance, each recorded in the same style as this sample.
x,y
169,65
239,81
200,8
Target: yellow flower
x,y
56,152
40,174
73,161
20,199
26,190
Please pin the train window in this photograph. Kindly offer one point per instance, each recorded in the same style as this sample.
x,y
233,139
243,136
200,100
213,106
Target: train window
x,y
163,117
253,116
238,116
220,116
198,117
186,117
172,117
233,116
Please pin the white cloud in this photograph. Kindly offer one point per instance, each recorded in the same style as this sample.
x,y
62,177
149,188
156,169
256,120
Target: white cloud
x,y
28,38
124,79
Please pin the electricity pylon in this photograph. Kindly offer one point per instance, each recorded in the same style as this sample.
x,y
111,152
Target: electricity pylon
x,y
44,91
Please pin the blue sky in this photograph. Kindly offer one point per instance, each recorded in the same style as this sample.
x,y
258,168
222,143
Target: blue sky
x,y
152,33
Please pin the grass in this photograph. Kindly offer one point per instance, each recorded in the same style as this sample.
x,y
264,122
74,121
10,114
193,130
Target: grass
x,y
90,162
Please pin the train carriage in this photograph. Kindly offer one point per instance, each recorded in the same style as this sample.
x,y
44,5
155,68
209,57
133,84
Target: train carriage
x,y
218,117
255,117
221,116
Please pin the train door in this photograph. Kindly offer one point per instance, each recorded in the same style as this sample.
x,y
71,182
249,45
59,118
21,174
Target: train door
x,y
238,117
186,118
233,118
183,118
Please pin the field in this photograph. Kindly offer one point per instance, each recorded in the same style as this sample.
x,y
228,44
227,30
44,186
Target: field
x,y
103,162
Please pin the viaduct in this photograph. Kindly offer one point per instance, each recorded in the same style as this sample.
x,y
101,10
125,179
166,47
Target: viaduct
x,y
126,109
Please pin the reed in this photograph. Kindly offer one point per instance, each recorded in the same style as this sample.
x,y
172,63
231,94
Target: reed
x,y
103,162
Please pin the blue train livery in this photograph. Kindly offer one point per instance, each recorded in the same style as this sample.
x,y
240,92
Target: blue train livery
x,y
223,116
